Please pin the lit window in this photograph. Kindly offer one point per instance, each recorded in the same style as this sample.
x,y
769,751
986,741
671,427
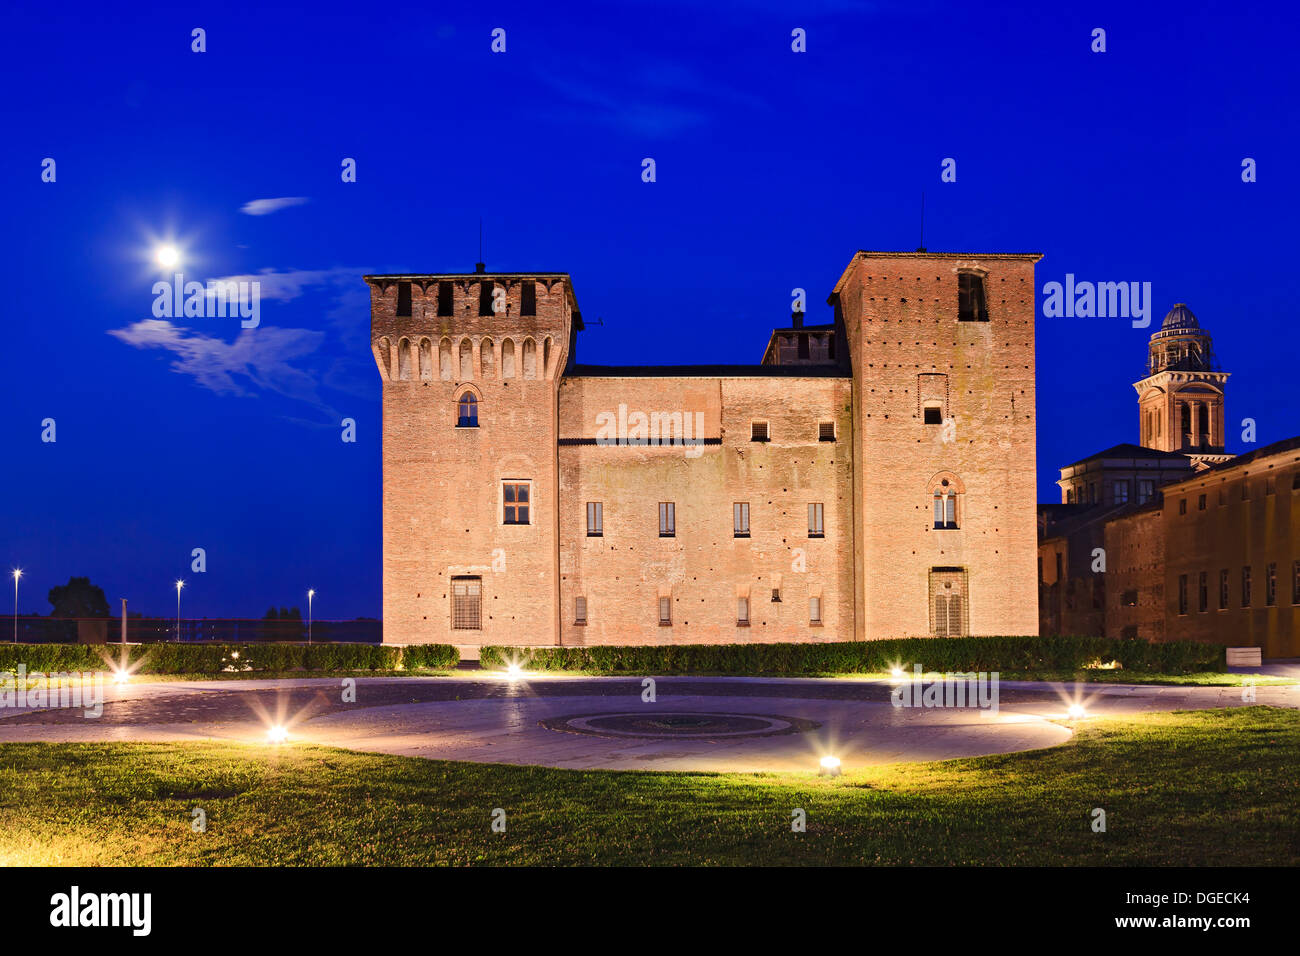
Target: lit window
x,y
467,411
1121,492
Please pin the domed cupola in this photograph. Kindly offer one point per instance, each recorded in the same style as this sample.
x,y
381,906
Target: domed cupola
x,y
1180,319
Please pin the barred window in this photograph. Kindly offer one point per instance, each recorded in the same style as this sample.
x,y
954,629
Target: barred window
x,y
595,519
1270,585
580,610
515,500
740,515
815,527
758,431
1203,592
1245,586
667,519
665,612
467,604
742,612
825,431
1223,589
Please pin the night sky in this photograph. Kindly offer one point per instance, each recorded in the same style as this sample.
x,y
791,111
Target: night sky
x,y
773,167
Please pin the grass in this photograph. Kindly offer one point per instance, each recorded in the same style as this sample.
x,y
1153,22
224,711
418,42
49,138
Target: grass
x,y
1186,788
1086,676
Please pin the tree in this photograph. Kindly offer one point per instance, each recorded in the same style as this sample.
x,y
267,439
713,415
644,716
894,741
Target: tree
x,y
78,598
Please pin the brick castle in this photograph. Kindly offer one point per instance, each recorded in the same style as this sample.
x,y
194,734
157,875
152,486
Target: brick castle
x,y
872,477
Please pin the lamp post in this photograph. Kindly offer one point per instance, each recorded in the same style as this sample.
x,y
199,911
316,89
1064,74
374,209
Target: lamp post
x,y
310,595
18,573
179,585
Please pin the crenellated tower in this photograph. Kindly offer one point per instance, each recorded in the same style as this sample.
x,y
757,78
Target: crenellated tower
x,y
471,365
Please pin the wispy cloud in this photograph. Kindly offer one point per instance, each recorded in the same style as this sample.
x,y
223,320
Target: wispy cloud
x,y
257,360
291,283
264,207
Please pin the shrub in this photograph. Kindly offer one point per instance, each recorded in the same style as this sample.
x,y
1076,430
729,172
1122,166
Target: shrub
x,y
1025,654
226,658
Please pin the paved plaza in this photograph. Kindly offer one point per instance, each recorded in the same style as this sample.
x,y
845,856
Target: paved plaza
x,y
739,724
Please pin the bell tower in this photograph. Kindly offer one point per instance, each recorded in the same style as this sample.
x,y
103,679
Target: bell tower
x,y
1180,401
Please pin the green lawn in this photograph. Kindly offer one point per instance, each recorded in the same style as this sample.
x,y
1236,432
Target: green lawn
x,y
1205,787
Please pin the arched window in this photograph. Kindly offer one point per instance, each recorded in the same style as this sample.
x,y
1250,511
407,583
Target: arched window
x,y
467,411
404,360
945,505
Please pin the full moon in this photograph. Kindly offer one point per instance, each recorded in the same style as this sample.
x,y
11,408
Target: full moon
x,y
167,256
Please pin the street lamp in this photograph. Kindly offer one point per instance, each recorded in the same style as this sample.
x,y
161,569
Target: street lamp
x,y
18,573
310,595
179,584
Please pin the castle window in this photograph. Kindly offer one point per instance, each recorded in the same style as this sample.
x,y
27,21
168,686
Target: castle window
x,y
1146,490
444,298
815,610
776,592
580,611
528,298
514,502
971,306
1200,503
485,297
948,602
1120,492
1203,592
467,411
467,604
945,506
1270,585
665,612
1182,594
825,431
1182,506
595,519
933,415
742,612
830,346
403,298
1245,586
667,519
1223,590
740,515
758,431
803,346
815,527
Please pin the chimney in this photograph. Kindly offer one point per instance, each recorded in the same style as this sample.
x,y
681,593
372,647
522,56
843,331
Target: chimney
x,y
796,319
480,267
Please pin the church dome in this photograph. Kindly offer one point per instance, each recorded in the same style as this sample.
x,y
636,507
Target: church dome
x,y
1180,319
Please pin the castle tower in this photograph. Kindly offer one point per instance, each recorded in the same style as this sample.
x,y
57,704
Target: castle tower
x,y
471,365
1180,401
942,351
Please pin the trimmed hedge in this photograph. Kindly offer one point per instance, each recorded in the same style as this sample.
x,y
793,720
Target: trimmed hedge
x,y
229,658
940,654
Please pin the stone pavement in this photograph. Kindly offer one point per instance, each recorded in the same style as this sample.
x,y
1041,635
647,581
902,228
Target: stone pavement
x,y
493,719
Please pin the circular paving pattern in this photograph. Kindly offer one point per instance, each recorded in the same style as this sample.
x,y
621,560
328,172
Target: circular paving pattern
x,y
693,725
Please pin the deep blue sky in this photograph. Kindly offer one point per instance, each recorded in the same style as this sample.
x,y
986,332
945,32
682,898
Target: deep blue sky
x,y
773,168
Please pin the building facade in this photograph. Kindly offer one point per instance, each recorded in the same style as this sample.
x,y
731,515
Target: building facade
x,y
870,477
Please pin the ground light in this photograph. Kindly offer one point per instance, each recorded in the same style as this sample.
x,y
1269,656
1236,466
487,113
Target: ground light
x,y
121,676
1076,712
277,734
514,671
830,767
897,673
